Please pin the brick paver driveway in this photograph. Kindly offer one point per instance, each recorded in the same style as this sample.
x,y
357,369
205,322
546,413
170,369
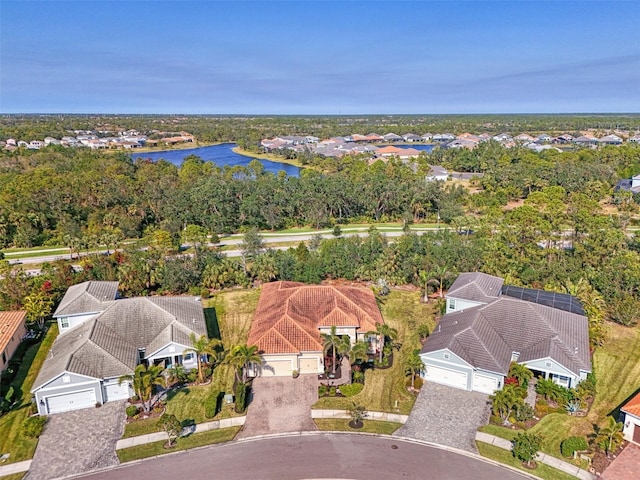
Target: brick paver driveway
x,y
78,441
281,404
447,416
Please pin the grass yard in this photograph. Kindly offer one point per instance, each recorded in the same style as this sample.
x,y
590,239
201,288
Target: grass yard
x,y
403,311
369,426
504,456
11,439
192,441
15,476
617,369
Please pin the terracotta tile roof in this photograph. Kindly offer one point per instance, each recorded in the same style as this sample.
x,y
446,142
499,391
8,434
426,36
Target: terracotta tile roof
x,y
9,323
633,406
289,315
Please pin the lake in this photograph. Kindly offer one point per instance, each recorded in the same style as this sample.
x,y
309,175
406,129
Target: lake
x,y
222,155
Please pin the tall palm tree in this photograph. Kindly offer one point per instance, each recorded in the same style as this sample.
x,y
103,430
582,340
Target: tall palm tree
x,y
240,357
143,380
610,436
427,278
200,347
385,331
413,366
331,342
521,373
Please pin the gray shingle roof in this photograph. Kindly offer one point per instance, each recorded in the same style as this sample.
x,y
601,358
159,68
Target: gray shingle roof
x,y
476,286
87,297
486,336
107,345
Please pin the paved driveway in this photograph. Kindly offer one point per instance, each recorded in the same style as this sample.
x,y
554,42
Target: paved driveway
x,y
447,416
78,441
281,404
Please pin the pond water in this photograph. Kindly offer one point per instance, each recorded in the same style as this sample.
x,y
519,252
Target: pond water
x,y
221,155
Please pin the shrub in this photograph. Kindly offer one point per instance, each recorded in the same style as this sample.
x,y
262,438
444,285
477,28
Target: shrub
x,y
525,446
242,392
358,376
586,388
332,391
212,404
322,390
524,413
32,427
351,390
418,383
132,411
573,444
192,376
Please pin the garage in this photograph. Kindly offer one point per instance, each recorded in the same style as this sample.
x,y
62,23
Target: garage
x,y
308,365
71,401
115,391
276,368
484,384
446,376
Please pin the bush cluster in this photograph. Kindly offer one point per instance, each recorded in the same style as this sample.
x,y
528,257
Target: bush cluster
x,y
573,444
242,393
132,411
212,403
32,427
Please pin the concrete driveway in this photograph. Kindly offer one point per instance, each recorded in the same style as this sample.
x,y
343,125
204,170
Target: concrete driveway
x,y
78,441
447,416
281,404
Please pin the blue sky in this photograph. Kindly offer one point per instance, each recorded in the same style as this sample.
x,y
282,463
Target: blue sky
x,y
327,57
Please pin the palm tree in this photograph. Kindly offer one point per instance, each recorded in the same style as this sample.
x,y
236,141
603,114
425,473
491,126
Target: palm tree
x,y
609,436
441,273
413,366
385,331
334,343
427,278
240,357
359,351
143,380
521,373
200,347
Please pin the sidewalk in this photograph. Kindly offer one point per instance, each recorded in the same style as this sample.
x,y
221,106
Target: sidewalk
x,y
12,468
542,457
199,428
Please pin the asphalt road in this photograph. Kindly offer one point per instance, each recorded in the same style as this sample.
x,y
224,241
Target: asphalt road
x,y
316,456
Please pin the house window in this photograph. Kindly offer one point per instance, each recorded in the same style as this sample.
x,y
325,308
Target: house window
x,y
547,364
188,357
452,304
446,356
64,322
140,355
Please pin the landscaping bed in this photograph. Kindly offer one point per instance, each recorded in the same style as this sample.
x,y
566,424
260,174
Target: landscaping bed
x,y
369,426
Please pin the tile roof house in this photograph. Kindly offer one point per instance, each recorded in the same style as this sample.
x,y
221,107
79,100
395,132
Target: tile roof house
x,y
105,338
12,331
488,325
291,316
437,173
631,410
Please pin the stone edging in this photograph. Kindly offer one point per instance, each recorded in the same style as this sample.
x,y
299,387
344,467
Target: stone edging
x,y
343,414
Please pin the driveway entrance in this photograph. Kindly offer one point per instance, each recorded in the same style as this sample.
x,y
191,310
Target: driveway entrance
x,y
78,441
281,404
447,416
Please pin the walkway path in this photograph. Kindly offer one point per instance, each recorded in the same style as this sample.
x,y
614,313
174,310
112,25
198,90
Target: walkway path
x,y
542,457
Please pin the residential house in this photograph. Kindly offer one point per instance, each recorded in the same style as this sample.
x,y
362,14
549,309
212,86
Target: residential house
x,y
411,137
427,137
634,139
488,325
104,338
462,143
437,173
586,140
563,139
611,140
443,137
392,137
629,184
631,429
12,331
524,138
291,316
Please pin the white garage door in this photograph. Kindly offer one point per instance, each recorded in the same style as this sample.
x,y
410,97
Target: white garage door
x,y
276,368
71,401
484,384
113,391
308,365
446,376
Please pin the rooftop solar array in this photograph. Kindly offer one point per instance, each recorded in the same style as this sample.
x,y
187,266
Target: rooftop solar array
x,y
561,301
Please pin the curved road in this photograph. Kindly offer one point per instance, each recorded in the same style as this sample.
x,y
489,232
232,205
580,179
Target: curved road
x,y
314,456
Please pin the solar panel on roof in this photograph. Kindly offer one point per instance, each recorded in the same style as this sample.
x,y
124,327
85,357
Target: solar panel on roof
x,y
561,301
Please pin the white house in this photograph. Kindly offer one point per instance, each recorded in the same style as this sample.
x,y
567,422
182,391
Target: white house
x,y
488,325
631,429
103,338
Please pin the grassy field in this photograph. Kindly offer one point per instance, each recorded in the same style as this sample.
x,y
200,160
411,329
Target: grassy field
x,y
268,157
11,439
15,476
505,457
617,369
369,426
403,311
192,441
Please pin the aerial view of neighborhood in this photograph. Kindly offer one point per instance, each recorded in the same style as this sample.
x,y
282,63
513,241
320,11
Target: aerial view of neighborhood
x,y
319,240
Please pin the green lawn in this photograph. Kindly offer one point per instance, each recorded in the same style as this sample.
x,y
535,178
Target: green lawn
x,y
192,441
617,369
370,426
504,456
15,476
403,311
11,439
